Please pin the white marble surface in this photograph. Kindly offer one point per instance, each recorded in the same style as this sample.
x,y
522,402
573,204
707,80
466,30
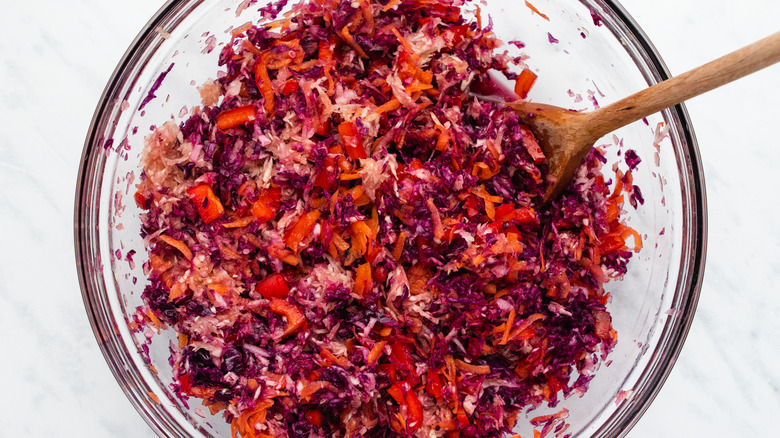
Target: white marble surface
x,y
55,58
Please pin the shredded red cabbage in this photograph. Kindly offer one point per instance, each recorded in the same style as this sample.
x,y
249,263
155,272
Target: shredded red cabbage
x,y
350,242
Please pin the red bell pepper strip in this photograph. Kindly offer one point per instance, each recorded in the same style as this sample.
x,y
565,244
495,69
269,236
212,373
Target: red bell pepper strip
x,y
406,397
433,385
352,142
414,411
401,358
206,202
301,230
524,83
295,318
237,116
463,418
273,286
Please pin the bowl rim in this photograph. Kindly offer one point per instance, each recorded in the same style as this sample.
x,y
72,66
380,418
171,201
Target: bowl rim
x,y
87,242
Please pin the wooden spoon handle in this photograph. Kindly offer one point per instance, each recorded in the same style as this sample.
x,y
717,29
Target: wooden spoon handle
x,y
672,91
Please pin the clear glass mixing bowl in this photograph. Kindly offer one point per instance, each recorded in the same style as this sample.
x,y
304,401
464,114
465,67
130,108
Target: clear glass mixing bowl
x,y
600,56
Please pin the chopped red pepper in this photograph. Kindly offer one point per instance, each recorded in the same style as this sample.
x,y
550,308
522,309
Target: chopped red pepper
x,y
273,286
289,86
235,117
184,382
505,212
140,200
325,50
524,83
321,125
325,176
314,417
611,243
396,391
508,213
301,230
352,142
531,145
264,209
295,318
459,33
206,202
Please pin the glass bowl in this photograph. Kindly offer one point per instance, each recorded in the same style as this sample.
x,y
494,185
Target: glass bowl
x,y
585,52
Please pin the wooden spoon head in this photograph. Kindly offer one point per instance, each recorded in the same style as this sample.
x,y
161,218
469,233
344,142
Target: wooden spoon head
x,y
563,137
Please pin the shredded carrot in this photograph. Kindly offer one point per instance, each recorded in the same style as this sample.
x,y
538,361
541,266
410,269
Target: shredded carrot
x,y
238,223
361,234
533,8
525,325
153,319
443,140
448,425
178,244
398,249
390,105
618,184
470,368
400,37
438,230
498,329
308,391
376,352
362,279
390,5
349,176
628,231
263,81
351,41
332,358
241,29
490,210
235,117
509,323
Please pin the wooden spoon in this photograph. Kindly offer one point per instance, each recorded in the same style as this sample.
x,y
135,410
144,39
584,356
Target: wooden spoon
x,y
566,136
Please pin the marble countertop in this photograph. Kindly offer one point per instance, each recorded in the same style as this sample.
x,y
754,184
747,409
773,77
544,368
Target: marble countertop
x,y
55,58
